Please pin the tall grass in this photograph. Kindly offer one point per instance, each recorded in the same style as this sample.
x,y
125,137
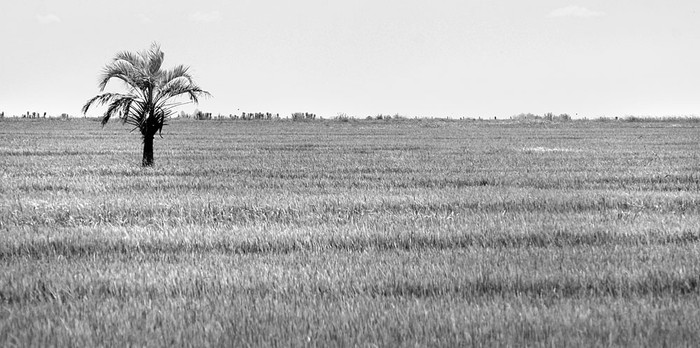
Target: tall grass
x,y
430,233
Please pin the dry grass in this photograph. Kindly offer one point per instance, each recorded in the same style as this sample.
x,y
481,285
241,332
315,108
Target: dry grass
x,y
414,232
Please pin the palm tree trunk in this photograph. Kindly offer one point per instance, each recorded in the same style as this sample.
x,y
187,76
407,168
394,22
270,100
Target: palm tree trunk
x,y
147,150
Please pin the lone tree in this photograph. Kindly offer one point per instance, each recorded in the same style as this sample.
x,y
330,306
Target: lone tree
x,y
148,102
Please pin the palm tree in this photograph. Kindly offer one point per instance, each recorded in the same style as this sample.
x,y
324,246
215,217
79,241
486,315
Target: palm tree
x,y
148,101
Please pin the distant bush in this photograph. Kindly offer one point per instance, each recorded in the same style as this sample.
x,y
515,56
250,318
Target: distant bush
x,y
256,116
343,117
33,115
563,117
386,117
300,116
661,119
546,117
633,119
200,115
525,117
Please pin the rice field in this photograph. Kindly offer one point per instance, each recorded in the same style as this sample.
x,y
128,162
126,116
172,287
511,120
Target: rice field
x,y
359,233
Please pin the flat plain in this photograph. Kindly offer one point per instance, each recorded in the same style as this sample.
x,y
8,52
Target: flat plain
x,y
358,233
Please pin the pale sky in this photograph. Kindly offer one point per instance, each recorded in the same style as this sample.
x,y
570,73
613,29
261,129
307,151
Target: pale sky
x,y
440,58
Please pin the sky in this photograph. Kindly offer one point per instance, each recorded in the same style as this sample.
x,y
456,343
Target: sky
x,y
416,58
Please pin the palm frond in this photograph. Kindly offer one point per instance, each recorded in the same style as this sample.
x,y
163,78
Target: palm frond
x,y
114,108
132,58
178,72
195,92
121,70
120,106
137,113
180,87
89,103
104,98
161,119
154,58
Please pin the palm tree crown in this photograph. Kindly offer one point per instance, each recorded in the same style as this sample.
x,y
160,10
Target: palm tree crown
x,y
147,104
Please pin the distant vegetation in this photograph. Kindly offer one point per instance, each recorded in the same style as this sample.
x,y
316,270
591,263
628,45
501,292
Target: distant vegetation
x,y
652,119
307,116
361,233
298,116
546,117
36,115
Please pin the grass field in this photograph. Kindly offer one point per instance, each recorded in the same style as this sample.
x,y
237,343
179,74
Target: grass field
x,y
360,233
